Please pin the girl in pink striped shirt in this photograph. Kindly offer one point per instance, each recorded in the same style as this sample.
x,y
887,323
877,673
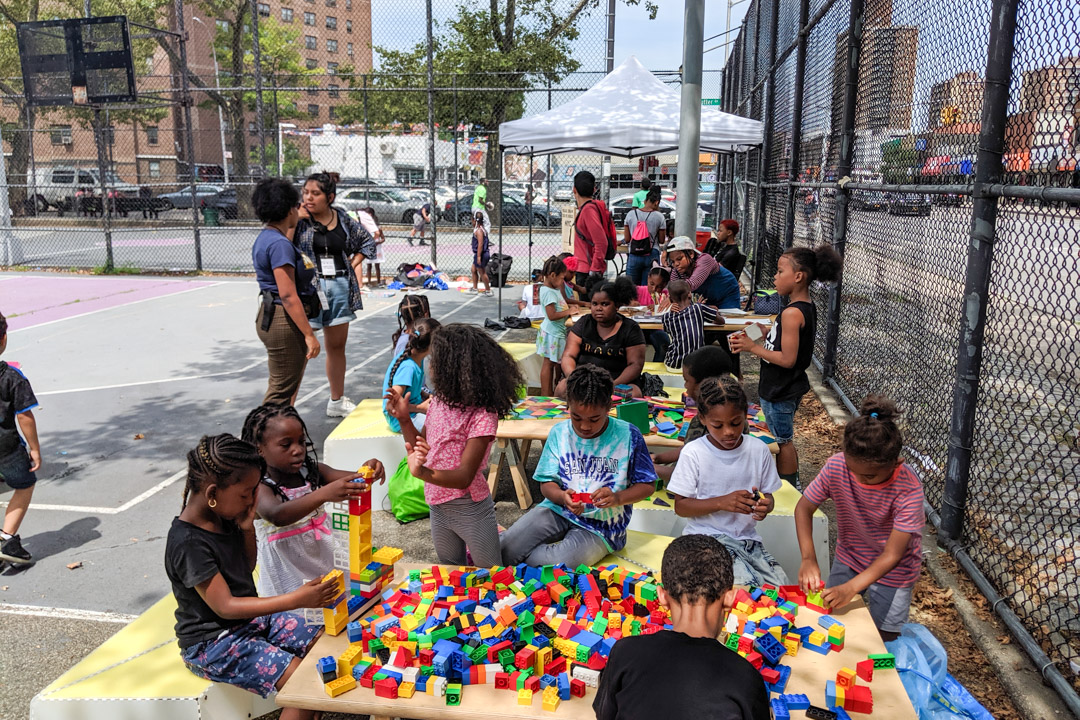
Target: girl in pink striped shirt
x,y
879,516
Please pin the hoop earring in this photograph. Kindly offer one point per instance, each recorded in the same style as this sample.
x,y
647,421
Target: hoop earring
x,y
212,503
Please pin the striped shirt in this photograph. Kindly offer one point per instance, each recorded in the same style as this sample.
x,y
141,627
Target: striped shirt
x,y
867,514
687,330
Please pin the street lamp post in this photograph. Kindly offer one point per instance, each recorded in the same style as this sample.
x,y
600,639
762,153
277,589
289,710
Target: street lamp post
x,y
220,115
281,148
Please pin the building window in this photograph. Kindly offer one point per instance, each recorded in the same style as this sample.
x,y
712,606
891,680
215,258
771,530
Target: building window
x,y
155,168
60,134
348,48
312,64
151,136
313,110
264,9
331,22
222,25
311,42
348,26
331,68
410,176
309,18
331,46
333,91
286,15
330,112
331,3
348,4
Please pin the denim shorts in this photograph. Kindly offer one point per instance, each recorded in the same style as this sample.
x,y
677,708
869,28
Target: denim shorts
x,y
889,606
15,470
780,417
337,293
255,655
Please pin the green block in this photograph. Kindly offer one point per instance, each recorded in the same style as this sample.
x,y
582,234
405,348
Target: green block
x,y
732,642
883,661
635,413
374,645
527,633
526,619
635,627
771,593
583,653
414,575
478,653
426,670
530,587
648,591
380,676
506,657
443,633
547,574
521,681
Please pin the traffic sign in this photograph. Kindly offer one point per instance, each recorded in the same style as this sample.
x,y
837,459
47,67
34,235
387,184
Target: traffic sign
x,y
710,101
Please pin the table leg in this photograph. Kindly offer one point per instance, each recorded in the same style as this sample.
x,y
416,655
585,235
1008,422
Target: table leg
x,y
517,472
498,454
526,447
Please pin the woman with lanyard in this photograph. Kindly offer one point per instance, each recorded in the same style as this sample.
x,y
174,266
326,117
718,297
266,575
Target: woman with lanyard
x,y
330,237
706,277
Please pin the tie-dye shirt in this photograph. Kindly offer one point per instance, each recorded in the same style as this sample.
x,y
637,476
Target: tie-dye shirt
x,y
616,459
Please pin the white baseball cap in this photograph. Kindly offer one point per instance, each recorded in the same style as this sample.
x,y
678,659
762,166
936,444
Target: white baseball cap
x,y
681,243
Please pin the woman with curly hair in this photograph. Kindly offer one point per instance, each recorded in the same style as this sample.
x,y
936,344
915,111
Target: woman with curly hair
x,y
475,384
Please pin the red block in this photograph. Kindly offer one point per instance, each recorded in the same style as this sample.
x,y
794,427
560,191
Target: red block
x,y
556,666
502,681
859,699
493,651
597,661
386,688
525,658
577,687
770,675
533,683
426,656
865,670
755,659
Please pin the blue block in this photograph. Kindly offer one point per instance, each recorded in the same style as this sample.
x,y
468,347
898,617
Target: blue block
x,y
440,664
803,632
355,603
749,628
357,671
391,673
770,648
327,664
547,681
826,622
796,702
526,604
466,606
780,685
541,641
822,649
588,639
756,594
605,646
841,713
421,683
563,683
779,709
354,632
830,692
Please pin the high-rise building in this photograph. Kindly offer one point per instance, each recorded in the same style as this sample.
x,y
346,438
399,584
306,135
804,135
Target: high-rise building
x,y
956,101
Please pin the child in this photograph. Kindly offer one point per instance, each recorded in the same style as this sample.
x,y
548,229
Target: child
x,y
290,524
476,383
551,338
648,295
406,372
570,290
367,220
684,323
227,632
409,310
593,454
725,480
879,517
20,457
529,304
481,248
664,674
706,362
786,351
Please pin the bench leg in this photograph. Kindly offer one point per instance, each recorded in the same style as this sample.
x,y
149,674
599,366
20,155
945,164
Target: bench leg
x,y
498,455
517,472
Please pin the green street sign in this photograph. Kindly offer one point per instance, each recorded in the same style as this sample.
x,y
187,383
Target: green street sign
x,y
710,101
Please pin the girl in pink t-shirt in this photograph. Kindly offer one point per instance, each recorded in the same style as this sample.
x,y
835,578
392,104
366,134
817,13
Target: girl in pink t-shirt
x,y
475,383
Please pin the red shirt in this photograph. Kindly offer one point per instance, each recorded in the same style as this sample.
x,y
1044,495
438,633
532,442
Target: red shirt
x,y
590,238
867,514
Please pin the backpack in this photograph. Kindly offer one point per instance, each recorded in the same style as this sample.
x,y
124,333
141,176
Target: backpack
x,y
767,302
608,225
640,239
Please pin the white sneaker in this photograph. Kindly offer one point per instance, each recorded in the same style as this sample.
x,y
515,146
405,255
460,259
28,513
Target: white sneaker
x,y
340,407
471,291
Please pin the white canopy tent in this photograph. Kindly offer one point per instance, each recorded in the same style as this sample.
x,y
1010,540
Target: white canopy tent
x,y
628,113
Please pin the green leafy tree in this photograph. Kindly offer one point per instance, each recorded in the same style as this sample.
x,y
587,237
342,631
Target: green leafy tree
x,y
294,164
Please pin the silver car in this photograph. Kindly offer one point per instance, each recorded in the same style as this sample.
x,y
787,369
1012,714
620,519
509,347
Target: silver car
x,y
390,206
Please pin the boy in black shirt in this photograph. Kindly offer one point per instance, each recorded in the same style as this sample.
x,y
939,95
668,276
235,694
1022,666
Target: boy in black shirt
x,y
20,457
685,672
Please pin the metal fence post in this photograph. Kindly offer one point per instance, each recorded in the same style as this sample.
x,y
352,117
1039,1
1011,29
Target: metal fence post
x,y
189,135
431,134
843,170
367,135
984,209
768,112
256,56
796,123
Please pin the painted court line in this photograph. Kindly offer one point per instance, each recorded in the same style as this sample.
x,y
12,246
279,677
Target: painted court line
x,y
260,361
56,613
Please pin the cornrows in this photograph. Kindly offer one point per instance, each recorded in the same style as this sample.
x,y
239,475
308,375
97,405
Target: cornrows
x,y
219,460
722,390
255,430
590,385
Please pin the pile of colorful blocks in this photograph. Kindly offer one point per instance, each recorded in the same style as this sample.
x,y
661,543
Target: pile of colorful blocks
x,y
534,631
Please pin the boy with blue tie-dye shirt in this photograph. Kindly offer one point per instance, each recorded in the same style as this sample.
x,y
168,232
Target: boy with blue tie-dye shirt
x,y
593,454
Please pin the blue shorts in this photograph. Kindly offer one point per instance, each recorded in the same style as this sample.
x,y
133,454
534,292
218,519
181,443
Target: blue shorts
x,y
15,470
780,417
253,656
485,254
337,293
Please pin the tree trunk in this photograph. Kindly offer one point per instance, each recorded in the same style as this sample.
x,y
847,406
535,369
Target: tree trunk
x,y
18,167
241,166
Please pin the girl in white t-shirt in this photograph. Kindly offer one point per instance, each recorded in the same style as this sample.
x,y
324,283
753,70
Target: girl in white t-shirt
x,y
724,483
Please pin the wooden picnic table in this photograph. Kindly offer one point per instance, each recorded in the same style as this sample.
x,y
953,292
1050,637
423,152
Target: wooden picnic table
x,y
733,323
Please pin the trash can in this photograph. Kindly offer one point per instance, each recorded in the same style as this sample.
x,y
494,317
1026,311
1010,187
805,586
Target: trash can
x,y
211,216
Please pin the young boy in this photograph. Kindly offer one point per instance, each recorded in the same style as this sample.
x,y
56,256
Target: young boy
x,y
685,323
684,672
19,458
594,456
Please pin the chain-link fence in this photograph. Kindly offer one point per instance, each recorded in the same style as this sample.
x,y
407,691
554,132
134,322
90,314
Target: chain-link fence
x,y
936,146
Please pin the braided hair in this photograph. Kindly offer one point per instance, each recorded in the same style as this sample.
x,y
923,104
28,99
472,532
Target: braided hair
x,y
219,460
590,385
255,431
419,341
410,309
620,291
553,265
874,436
722,390
822,263
470,370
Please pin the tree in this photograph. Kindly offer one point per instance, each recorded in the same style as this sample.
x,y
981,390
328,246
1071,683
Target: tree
x,y
294,165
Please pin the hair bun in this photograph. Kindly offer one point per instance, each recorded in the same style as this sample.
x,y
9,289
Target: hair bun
x,y
334,177
879,407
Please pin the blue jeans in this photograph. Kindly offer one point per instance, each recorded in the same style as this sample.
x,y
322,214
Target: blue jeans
x,y
751,563
780,417
660,342
638,266
542,537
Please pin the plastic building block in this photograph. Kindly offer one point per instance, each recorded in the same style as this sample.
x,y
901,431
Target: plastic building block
x,y
859,699
796,702
883,661
770,648
453,693
779,709
343,684
550,699
845,678
577,687
865,670
841,714
815,713
525,696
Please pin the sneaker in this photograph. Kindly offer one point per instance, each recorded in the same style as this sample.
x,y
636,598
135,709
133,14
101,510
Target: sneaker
x,y
421,243
13,551
340,407
471,291
488,293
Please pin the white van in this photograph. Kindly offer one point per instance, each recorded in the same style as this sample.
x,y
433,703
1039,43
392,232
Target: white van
x,y
55,187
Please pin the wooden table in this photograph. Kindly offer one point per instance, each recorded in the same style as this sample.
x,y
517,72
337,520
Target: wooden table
x,y
809,671
733,324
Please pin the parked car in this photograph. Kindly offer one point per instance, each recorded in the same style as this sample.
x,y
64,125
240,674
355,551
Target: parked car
x,y
56,187
948,199
909,204
514,212
621,205
871,200
205,196
390,206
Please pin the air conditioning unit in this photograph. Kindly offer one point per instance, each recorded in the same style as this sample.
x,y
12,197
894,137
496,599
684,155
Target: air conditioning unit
x,y
388,147
65,139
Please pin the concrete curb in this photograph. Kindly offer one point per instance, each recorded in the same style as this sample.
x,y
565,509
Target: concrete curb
x,y
837,412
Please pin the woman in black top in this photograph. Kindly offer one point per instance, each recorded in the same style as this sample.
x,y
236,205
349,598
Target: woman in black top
x,y
331,238
606,338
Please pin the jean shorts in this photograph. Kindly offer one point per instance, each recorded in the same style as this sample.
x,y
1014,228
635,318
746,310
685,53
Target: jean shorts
x,y
337,293
15,469
780,417
889,606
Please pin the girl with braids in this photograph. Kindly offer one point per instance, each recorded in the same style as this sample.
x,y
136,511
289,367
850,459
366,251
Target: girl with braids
x,y
592,455
292,530
227,632
476,383
409,310
406,373
879,517
551,338
724,482
788,347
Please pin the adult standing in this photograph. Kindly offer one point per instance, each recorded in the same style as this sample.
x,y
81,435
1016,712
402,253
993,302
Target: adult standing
x,y
606,338
285,276
593,232
421,218
644,252
640,195
706,277
479,196
329,236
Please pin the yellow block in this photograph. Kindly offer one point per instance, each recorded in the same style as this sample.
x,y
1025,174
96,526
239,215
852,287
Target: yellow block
x,y
525,696
347,659
406,690
342,684
387,555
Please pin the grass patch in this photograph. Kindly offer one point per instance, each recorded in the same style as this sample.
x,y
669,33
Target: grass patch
x,y
116,270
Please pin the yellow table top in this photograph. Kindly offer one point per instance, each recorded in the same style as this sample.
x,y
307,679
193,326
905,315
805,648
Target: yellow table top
x,y
365,421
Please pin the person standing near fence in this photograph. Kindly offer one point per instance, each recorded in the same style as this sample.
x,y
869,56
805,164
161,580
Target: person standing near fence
x,y
330,237
286,282
479,196
644,242
593,233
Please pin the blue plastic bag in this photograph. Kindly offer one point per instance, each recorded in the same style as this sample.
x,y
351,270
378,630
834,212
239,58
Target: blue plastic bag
x,y
436,283
922,664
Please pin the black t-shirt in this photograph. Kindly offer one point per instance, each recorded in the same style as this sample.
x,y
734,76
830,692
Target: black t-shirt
x,y
330,244
778,384
730,257
609,354
673,676
16,396
193,556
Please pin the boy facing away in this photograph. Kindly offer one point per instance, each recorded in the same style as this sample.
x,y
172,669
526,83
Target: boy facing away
x,y
20,456
684,672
